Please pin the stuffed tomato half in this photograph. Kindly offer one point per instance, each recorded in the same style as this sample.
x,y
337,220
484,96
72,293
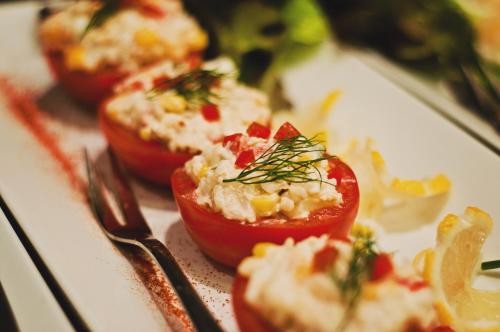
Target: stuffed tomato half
x,y
161,117
323,284
92,45
254,188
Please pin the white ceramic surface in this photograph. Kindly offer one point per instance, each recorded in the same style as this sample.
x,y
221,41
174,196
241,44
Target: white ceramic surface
x,y
100,281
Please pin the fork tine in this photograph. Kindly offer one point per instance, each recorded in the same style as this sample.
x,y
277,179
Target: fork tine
x,y
99,205
125,196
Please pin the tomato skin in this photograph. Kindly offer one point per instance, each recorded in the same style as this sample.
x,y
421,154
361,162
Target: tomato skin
x,y
247,318
148,159
244,158
257,130
87,88
229,241
382,267
91,88
210,112
286,131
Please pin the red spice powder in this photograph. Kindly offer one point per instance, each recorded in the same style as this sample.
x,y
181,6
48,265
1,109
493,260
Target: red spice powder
x,y
21,103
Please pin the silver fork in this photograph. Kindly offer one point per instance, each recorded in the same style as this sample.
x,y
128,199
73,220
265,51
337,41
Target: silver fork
x,y
135,231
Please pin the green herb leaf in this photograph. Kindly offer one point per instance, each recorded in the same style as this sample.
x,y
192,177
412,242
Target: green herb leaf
x,y
109,8
282,162
194,86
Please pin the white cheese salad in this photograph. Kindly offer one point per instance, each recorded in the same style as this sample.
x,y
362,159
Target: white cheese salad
x,y
124,35
187,109
253,175
321,284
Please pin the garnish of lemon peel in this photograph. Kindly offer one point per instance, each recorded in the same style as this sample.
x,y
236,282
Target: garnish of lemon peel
x,y
450,267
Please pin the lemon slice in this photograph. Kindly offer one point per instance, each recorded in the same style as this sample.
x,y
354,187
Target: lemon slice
x,y
396,204
449,268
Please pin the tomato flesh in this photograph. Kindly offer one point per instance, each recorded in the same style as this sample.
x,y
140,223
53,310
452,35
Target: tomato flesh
x,y
382,267
210,112
286,131
229,241
232,142
148,159
245,158
258,130
324,259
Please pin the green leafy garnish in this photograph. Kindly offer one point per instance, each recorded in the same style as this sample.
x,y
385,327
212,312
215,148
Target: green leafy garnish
x,y
194,86
359,268
108,9
286,160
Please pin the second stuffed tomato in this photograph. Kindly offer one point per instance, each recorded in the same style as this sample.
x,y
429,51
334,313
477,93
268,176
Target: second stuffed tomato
x,y
251,188
162,117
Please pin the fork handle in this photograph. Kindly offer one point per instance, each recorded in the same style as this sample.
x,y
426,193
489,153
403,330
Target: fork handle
x,y
197,310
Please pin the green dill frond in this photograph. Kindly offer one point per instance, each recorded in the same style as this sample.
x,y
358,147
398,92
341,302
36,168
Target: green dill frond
x,y
282,162
194,86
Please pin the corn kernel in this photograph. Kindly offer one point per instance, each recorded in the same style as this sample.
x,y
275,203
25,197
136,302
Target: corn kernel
x,y
146,37
172,103
203,171
145,133
199,41
412,187
329,101
260,249
265,205
74,58
428,265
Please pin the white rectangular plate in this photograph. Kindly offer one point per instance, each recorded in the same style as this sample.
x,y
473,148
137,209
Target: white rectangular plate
x,y
97,278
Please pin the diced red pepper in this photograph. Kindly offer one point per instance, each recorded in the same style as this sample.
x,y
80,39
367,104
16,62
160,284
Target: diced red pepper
x,y
136,86
232,142
258,130
324,259
286,131
382,266
244,158
210,112
413,285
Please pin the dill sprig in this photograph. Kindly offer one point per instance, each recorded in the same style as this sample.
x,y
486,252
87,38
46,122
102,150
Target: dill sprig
x,y
286,160
359,269
108,9
194,86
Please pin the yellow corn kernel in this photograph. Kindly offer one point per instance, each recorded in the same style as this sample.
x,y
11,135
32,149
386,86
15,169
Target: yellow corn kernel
x,y
203,171
199,41
370,292
302,271
378,161
265,205
74,58
146,37
145,133
329,101
428,266
439,184
412,187
172,103
260,249
359,230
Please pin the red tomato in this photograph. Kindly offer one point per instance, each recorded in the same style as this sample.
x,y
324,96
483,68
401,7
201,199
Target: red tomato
x,y
258,130
382,267
90,88
233,141
229,241
247,318
413,285
210,112
324,259
244,158
148,159
286,131
86,87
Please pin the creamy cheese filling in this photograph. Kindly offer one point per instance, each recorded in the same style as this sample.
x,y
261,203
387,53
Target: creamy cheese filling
x,y
284,289
128,40
180,123
249,201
